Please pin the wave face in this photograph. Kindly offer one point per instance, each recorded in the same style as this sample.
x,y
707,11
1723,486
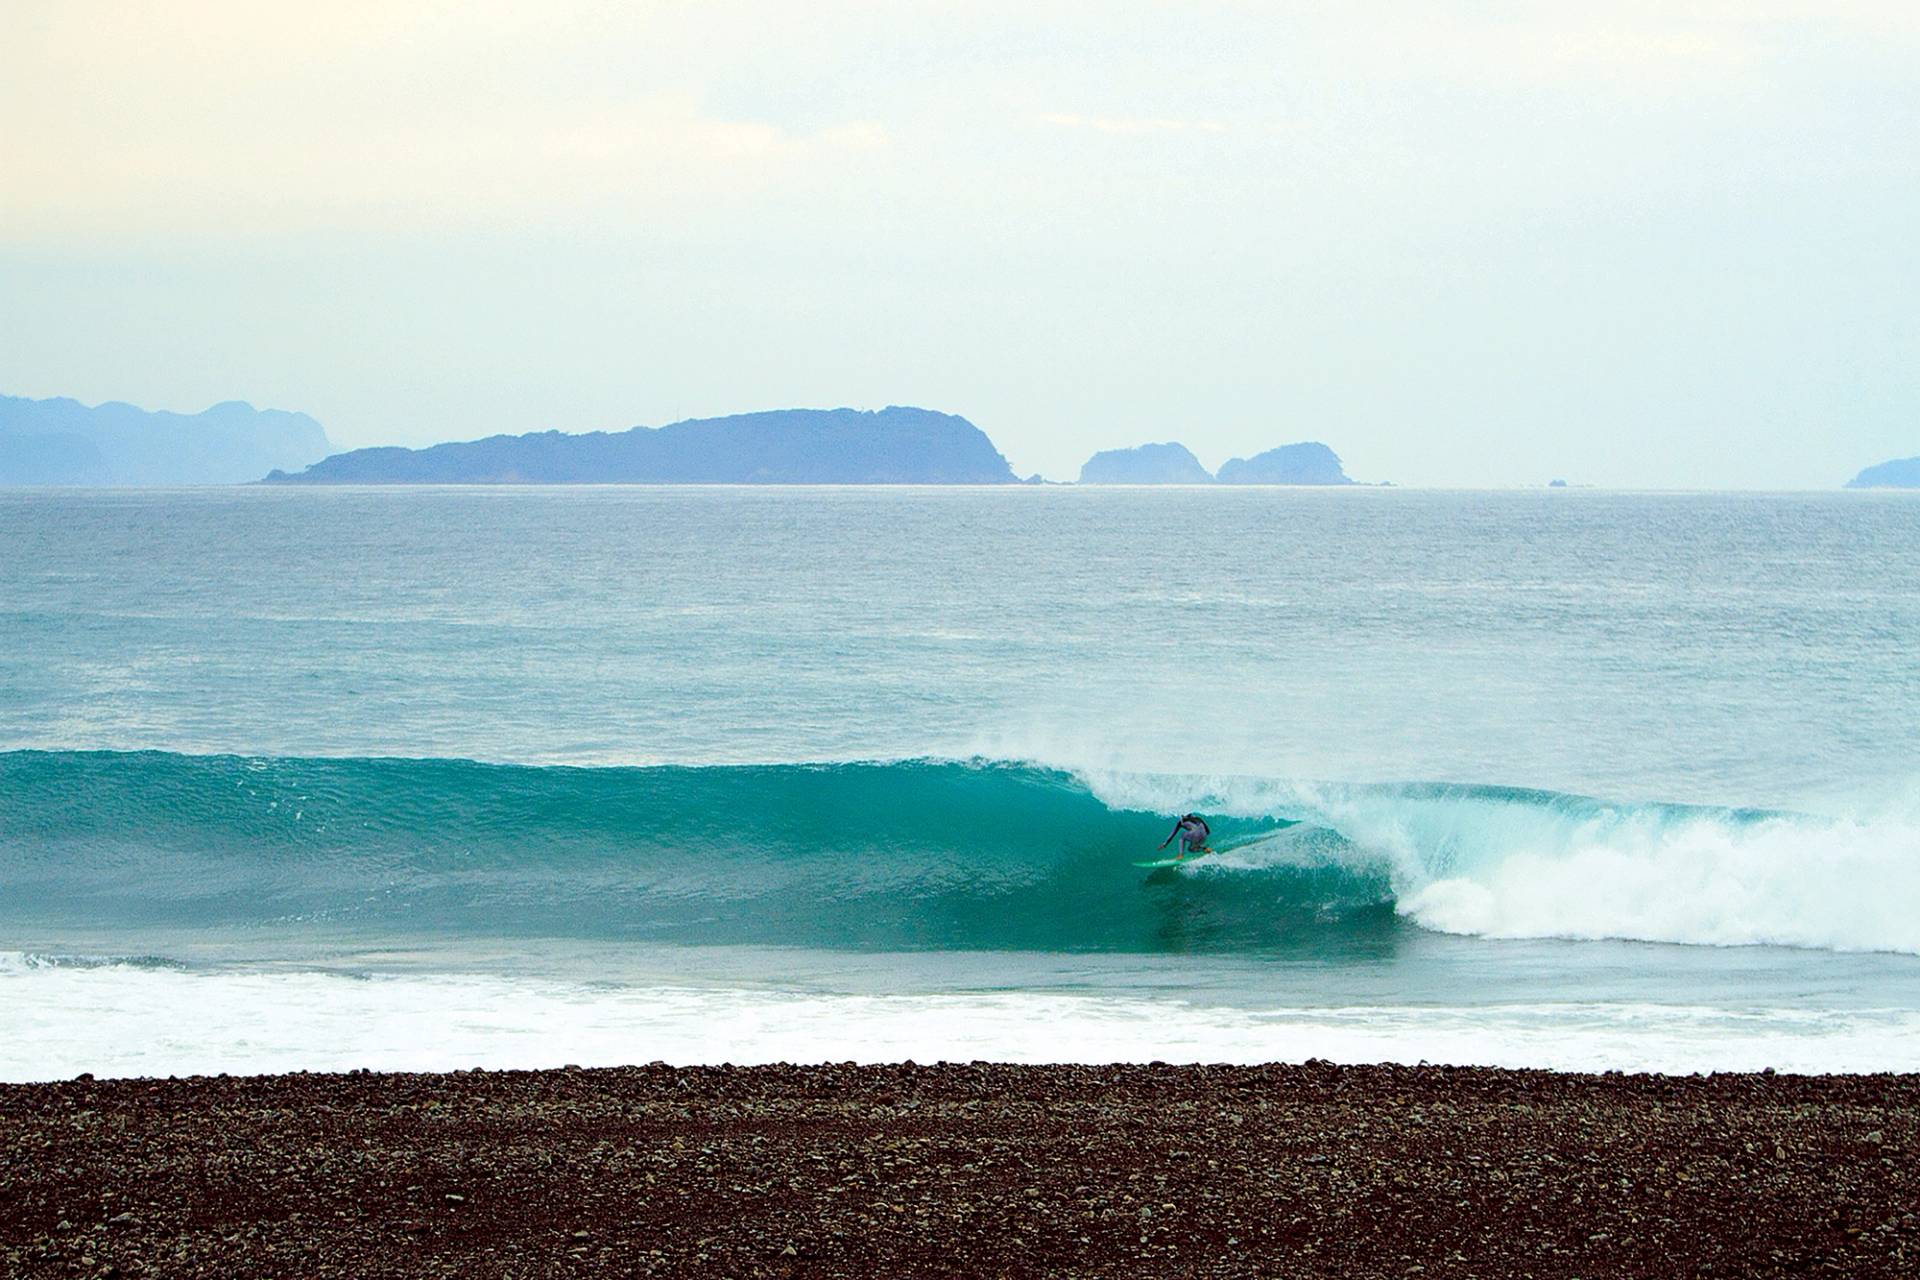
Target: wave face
x,y
917,854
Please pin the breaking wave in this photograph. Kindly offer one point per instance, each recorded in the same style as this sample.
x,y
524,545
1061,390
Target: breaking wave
x,y
986,855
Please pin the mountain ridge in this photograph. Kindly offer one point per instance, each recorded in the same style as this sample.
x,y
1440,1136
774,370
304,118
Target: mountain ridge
x,y
61,441
896,445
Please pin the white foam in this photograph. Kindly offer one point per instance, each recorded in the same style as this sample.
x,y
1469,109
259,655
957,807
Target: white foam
x,y
124,1020
1704,879
1529,865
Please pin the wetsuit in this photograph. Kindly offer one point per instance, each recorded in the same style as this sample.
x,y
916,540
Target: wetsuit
x,y
1193,833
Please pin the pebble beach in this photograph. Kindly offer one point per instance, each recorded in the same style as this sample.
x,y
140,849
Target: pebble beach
x,y
962,1170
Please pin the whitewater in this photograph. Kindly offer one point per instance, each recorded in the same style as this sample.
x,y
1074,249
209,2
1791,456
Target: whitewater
x,y
514,778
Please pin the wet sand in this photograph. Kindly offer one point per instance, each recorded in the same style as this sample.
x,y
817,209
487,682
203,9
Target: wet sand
x,y
979,1170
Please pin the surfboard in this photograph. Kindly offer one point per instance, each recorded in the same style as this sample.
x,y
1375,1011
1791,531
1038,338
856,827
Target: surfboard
x,y
1171,862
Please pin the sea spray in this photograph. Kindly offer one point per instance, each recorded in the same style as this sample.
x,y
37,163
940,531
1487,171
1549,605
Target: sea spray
x,y
1513,862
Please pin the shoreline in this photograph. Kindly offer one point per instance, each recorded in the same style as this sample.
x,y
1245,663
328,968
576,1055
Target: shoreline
x,y
963,1169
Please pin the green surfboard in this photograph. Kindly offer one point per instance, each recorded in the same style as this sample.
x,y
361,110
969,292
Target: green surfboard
x,y
1171,862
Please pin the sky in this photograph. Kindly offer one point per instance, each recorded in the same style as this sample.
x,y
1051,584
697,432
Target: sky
x,y
1667,245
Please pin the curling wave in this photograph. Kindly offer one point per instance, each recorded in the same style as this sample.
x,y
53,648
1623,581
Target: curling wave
x,y
984,855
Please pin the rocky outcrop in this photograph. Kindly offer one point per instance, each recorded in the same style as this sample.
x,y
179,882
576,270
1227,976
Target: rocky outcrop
x,y
1307,463
1168,463
1901,473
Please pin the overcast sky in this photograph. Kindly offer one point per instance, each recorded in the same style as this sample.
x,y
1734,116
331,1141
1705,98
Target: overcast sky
x,y
1654,244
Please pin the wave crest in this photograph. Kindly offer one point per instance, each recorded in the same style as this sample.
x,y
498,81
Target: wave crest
x,y
980,854
1508,862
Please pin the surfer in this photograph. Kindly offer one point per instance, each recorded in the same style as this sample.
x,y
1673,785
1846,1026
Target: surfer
x,y
1192,832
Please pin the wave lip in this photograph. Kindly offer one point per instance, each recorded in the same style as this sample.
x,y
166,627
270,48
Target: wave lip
x,y
1662,873
1505,862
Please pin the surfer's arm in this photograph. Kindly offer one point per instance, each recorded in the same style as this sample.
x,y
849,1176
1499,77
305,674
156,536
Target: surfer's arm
x,y
1170,836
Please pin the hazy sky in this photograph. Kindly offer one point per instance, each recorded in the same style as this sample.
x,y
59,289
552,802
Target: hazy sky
x,y
1662,244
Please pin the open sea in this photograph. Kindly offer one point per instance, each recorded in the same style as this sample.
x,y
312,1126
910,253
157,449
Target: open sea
x,y
437,778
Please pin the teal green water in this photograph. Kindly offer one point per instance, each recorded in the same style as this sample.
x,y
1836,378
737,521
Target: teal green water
x,y
1467,756
1741,650
867,856
904,855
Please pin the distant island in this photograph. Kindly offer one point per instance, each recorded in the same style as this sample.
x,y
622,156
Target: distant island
x,y
64,442
1901,473
894,445
1168,463
1308,463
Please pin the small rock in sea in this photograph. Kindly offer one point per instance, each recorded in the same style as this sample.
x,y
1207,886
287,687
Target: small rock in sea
x,y
1876,1137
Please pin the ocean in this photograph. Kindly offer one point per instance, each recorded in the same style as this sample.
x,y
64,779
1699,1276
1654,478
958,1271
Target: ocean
x,y
438,778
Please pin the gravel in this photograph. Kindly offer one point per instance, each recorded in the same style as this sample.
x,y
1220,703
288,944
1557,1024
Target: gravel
x,y
963,1170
